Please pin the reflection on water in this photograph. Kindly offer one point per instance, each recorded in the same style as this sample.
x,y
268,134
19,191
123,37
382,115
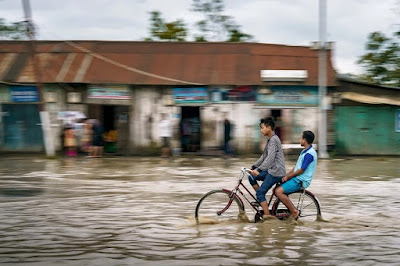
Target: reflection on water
x,y
124,211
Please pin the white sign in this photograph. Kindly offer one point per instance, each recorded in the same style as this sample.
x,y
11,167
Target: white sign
x,y
284,75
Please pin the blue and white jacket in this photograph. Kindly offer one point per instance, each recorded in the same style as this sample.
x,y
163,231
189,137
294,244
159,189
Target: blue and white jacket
x,y
308,162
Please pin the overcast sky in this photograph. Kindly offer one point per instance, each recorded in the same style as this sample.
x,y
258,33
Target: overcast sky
x,y
292,22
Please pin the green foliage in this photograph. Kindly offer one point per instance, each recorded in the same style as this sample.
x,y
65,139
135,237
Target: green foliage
x,y
13,31
170,31
200,39
237,36
382,59
215,26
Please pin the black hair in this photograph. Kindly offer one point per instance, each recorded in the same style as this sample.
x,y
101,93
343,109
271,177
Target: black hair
x,y
308,136
268,121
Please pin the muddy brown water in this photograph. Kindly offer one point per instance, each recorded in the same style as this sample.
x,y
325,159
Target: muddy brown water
x,y
139,211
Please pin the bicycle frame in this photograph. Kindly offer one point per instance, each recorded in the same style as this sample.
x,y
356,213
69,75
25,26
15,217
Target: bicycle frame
x,y
236,192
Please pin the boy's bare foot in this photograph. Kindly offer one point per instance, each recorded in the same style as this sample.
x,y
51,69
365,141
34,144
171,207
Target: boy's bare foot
x,y
295,215
269,217
293,221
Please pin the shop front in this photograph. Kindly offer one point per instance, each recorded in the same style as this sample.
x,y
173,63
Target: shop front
x,y
241,86
293,107
231,117
190,101
367,118
110,105
21,126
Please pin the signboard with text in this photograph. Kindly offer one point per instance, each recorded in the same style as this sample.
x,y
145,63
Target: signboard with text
x,y
290,96
109,92
24,94
398,120
190,95
238,94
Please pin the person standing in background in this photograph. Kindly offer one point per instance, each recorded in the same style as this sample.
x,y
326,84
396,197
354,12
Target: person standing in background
x,y
70,142
165,132
96,150
227,135
279,128
186,132
86,140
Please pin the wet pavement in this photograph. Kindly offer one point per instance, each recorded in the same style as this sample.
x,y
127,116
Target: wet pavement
x,y
139,211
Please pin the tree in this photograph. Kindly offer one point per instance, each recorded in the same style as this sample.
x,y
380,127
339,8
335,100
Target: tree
x,y
215,26
161,30
237,36
382,60
13,31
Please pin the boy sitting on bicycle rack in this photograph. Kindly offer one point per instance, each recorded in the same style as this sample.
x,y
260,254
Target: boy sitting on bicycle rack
x,y
270,167
301,175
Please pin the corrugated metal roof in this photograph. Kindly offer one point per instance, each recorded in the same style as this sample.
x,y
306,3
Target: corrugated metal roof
x,y
16,67
350,79
131,62
7,60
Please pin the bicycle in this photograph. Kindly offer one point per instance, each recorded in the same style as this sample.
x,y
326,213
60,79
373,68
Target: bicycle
x,y
217,205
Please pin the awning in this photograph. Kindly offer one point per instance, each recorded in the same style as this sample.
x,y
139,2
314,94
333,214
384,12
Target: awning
x,y
364,98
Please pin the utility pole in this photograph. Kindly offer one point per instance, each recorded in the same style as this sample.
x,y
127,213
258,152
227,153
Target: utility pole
x,y
48,136
30,27
322,81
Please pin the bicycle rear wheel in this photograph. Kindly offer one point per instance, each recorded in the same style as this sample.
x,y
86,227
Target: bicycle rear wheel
x,y
310,207
216,206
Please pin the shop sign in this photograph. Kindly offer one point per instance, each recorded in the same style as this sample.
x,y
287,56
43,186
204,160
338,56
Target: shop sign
x,y
109,92
238,94
24,94
190,95
398,120
290,96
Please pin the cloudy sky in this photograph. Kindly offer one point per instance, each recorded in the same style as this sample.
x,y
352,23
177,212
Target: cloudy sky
x,y
292,22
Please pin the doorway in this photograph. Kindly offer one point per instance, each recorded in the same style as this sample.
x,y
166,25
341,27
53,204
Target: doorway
x,y
277,115
109,117
190,129
115,122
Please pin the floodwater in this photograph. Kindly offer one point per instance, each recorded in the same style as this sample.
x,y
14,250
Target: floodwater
x,y
139,211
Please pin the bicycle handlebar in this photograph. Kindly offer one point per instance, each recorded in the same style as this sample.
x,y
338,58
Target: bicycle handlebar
x,y
246,171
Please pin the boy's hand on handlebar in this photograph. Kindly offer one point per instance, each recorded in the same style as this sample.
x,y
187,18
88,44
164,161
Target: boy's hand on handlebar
x,y
255,173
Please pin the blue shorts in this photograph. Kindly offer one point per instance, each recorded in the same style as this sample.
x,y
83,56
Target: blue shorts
x,y
268,182
292,185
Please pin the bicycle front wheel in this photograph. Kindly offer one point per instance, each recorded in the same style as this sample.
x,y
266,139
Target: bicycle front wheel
x,y
309,207
218,206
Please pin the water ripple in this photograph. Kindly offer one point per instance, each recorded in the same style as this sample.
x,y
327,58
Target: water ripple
x,y
126,211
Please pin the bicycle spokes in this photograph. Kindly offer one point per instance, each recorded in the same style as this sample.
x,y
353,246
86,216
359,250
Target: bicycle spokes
x,y
218,205
307,204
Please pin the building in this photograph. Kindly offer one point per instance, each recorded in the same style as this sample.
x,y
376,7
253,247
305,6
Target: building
x,y
127,85
367,118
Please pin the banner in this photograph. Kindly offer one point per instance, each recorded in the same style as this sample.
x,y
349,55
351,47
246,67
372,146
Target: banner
x,y
24,94
290,96
109,92
238,94
190,95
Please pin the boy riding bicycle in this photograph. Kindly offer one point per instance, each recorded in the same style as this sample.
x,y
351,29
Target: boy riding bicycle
x,y
301,175
270,167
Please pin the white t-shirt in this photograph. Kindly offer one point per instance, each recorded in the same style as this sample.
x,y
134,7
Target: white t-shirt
x,y
165,128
